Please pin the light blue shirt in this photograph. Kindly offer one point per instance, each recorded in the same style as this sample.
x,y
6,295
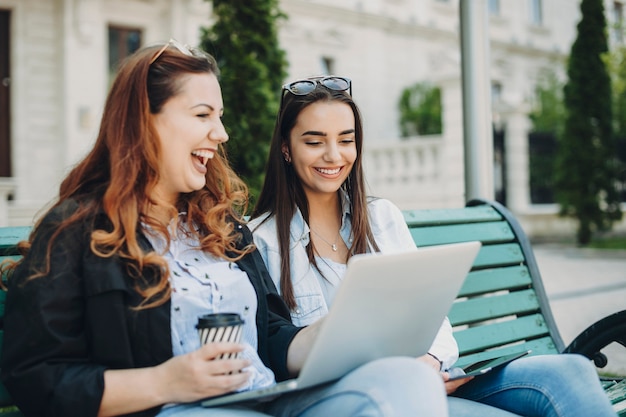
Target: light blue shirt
x,y
313,293
202,283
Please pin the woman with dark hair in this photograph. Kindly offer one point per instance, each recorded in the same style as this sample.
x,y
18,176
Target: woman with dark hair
x,y
313,215
146,235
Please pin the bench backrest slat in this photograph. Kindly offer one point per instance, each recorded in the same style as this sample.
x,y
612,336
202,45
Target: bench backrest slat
x,y
483,282
477,310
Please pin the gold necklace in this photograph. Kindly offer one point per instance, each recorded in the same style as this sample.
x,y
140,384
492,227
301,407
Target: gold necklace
x,y
332,245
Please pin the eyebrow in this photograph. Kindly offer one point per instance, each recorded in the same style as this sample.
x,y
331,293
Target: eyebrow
x,y
318,133
206,105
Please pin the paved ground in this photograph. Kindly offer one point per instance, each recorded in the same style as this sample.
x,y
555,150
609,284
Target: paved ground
x,y
583,286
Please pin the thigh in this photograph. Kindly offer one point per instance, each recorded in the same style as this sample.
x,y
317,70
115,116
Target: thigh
x,y
542,386
391,387
460,407
196,410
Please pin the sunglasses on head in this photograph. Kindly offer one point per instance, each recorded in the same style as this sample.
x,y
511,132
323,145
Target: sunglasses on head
x,y
304,87
184,49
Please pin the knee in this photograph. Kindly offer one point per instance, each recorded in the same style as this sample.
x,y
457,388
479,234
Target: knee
x,y
566,366
404,371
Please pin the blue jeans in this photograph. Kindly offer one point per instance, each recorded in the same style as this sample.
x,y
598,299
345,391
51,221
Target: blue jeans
x,y
564,385
390,387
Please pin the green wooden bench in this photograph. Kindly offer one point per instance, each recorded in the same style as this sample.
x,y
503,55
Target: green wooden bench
x,y
502,306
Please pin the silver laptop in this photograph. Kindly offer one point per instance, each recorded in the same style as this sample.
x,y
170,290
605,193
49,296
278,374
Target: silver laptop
x,y
386,305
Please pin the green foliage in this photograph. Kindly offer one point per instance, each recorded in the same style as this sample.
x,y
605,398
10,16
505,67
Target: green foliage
x,y
548,112
586,160
616,62
420,110
245,43
548,118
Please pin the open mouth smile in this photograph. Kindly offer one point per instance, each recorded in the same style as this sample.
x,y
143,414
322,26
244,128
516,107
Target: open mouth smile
x,y
328,171
203,155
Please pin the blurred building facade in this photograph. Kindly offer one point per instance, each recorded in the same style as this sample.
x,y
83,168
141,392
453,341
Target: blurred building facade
x,y
57,61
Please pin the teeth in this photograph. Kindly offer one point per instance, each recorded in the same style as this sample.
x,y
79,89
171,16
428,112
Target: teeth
x,y
329,171
203,154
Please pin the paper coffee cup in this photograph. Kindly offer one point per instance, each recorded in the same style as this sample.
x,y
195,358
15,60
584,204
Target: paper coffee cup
x,y
220,327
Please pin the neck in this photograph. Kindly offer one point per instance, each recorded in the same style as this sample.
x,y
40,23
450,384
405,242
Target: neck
x,y
325,211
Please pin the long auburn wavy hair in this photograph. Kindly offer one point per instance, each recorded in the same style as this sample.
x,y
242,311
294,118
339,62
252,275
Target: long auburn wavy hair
x,y
119,174
282,193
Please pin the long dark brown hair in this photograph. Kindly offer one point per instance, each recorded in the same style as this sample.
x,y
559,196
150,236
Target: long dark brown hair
x,y
282,193
118,176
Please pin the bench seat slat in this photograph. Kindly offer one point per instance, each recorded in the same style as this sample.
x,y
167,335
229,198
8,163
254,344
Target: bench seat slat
x,y
486,336
491,232
496,279
476,310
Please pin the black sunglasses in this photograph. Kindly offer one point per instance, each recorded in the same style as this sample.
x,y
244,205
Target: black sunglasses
x,y
304,87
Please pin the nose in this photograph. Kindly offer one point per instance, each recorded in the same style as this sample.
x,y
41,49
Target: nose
x,y
218,132
332,153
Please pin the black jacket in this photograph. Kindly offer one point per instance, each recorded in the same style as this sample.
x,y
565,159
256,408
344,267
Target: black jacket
x,y
64,329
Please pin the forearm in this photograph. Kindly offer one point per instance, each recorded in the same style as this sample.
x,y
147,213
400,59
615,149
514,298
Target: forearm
x,y
301,345
131,390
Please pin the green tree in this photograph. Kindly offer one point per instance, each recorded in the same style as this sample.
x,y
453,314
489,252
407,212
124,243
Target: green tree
x,y
244,41
548,111
420,110
547,116
586,160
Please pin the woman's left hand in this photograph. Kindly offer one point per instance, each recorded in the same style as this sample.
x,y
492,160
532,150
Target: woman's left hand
x,y
451,386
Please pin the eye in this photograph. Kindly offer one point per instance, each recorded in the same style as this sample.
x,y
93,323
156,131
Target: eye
x,y
203,115
347,141
313,142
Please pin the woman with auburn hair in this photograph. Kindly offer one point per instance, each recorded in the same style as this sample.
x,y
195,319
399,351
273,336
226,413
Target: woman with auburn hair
x,y
146,236
313,215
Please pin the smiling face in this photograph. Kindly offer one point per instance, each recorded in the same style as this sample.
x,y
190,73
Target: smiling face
x,y
322,146
190,129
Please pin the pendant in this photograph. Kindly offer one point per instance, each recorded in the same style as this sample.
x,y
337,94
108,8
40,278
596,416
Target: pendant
x,y
335,247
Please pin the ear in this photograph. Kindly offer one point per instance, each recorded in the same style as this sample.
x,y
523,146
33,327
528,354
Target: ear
x,y
285,151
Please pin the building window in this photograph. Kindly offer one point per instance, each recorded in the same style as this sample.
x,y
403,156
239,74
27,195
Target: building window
x,y
618,22
494,7
536,12
123,42
496,92
328,65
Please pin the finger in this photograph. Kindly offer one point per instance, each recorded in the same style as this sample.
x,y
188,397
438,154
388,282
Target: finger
x,y
222,384
226,366
218,349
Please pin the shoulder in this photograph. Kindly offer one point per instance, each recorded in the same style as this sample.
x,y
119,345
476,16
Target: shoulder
x,y
261,222
264,229
381,208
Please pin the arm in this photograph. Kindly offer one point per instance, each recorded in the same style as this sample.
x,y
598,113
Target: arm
x,y
45,358
444,347
184,378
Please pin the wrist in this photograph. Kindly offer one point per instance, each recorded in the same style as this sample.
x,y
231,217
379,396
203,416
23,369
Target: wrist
x,y
437,359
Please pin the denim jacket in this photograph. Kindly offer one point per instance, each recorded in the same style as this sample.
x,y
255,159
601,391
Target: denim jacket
x,y
391,235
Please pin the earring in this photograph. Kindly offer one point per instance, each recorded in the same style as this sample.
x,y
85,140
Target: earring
x,y
287,158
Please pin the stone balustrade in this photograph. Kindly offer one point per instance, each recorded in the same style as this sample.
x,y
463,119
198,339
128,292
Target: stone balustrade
x,y
409,172
7,187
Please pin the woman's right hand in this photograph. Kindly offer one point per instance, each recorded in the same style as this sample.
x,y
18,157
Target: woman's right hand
x,y
201,374
185,378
